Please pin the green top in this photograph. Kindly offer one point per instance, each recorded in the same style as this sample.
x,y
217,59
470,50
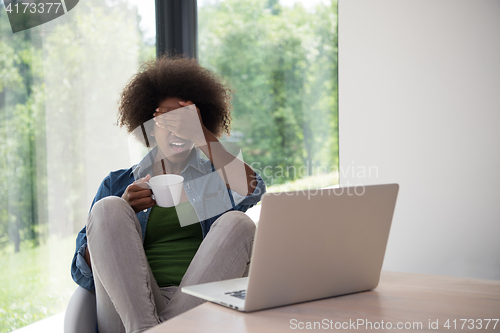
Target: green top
x,y
168,246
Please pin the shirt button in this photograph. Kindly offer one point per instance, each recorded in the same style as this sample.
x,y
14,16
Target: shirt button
x,y
145,210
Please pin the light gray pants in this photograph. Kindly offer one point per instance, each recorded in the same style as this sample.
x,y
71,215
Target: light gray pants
x,y
128,297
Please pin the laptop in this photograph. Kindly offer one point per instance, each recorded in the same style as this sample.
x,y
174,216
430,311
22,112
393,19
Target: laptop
x,y
311,245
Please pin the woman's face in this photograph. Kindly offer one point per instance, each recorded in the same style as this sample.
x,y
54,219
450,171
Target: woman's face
x,y
175,149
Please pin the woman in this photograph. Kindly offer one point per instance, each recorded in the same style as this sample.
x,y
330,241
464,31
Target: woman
x,y
135,254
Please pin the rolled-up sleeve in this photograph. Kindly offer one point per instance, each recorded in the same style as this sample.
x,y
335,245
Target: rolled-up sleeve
x,y
81,264
80,270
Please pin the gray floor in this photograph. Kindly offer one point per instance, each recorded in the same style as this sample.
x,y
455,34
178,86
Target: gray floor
x,y
54,324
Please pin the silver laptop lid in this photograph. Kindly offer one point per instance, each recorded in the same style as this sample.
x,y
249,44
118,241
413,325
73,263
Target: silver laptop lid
x,y
319,243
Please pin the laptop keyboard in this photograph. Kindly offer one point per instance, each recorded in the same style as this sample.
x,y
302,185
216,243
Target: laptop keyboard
x,y
239,294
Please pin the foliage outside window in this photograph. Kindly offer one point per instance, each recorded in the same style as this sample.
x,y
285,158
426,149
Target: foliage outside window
x,y
282,61
59,86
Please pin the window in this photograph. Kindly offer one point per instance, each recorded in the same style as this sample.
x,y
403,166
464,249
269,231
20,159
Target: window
x,y
59,87
281,58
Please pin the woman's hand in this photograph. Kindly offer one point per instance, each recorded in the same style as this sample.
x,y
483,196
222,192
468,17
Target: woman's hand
x,y
185,122
138,195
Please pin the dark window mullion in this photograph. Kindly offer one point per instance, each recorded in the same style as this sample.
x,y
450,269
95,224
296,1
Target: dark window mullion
x,y
177,27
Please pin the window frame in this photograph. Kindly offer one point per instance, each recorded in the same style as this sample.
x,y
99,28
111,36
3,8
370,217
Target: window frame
x,y
177,27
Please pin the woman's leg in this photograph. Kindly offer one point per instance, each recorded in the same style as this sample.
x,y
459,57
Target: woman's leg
x,y
128,297
224,254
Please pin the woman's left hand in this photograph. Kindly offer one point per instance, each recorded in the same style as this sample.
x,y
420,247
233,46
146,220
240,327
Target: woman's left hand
x,y
184,122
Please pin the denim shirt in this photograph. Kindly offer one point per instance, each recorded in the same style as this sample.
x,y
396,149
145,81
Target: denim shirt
x,y
204,188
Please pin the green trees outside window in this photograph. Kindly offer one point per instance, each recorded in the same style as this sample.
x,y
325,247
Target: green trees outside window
x,y
59,87
282,61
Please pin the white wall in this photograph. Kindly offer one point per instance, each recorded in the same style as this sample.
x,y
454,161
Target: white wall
x,y
419,93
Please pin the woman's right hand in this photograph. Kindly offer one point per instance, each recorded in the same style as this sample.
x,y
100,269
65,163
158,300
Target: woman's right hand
x,y
138,195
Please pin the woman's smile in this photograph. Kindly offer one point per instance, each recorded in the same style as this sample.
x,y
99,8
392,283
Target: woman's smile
x,y
178,145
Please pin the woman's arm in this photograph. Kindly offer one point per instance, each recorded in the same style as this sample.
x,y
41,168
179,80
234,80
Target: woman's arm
x,y
237,175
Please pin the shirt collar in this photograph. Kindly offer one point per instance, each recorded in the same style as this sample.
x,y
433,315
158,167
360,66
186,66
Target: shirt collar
x,y
144,167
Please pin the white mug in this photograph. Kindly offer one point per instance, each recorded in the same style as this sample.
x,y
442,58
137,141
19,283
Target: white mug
x,y
167,189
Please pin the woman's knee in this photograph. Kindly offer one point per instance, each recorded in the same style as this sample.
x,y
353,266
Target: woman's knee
x,y
110,203
237,222
109,212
